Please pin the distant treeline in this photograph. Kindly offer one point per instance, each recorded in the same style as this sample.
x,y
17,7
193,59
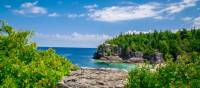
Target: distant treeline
x,y
171,44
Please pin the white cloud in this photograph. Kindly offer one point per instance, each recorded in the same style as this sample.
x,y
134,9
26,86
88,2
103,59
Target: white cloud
x,y
75,15
72,40
126,2
31,8
53,14
8,6
134,12
137,32
180,6
159,17
122,13
197,22
29,4
186,19
91,6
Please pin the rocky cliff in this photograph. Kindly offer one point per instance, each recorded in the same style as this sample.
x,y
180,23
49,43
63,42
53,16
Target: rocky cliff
x,y
114,53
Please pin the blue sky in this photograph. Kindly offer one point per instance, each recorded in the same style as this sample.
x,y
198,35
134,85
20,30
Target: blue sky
x,y
87,23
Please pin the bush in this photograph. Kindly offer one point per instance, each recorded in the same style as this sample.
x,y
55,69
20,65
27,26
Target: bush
x,y
183,73
22,65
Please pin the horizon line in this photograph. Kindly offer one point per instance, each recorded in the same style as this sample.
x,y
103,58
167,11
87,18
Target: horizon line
x,y
64,47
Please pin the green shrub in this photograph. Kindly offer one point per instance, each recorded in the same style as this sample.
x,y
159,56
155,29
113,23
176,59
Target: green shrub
x,y
22,65
183,73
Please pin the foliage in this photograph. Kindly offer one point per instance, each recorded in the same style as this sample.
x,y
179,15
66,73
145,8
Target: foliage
x,y
22,65
183,73
166,42
181,51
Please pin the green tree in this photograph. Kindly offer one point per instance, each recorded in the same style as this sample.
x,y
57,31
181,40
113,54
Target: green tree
x,y
23,66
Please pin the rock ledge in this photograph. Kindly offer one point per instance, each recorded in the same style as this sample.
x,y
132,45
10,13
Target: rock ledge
x,y
94,78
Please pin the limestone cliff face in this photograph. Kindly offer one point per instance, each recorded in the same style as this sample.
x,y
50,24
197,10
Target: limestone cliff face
x,y
114,53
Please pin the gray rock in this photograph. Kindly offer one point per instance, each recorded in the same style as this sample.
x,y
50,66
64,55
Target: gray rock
x,y
114,53
94,78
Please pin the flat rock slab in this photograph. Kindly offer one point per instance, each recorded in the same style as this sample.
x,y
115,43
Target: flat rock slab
x,y
94,78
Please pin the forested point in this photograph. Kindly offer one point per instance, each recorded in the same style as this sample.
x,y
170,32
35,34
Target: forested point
x,y
170,44
23,66
181,52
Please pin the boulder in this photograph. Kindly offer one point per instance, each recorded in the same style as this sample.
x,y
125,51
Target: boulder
x,y
158,58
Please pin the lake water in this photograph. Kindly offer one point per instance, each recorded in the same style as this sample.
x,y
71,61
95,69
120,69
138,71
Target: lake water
x,y
83,58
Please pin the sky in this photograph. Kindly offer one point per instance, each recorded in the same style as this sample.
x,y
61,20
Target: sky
x,y
88,23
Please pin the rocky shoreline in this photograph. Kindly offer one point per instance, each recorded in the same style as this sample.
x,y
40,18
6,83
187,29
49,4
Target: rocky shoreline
x,y
115,53
94,78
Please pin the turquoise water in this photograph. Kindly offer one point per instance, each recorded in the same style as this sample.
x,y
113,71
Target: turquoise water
x,y
83,58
